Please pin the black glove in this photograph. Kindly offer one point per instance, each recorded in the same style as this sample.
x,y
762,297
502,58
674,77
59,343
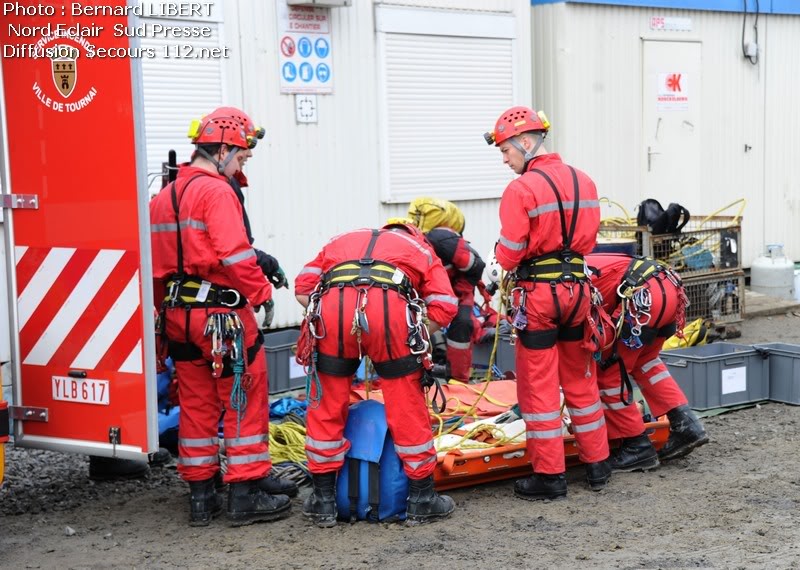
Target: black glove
x,y
272,269
269,313
492,288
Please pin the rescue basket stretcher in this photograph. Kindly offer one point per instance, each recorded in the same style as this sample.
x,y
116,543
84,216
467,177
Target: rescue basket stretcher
x,y
469,467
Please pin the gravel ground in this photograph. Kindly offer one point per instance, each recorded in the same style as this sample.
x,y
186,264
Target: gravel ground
x,y
731,504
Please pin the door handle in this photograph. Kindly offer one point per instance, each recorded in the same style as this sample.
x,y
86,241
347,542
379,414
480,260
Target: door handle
x,y
649,154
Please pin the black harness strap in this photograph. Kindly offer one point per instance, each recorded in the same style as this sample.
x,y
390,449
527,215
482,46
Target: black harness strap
x,y
353,483
398,367
566,237
386,327
374,497
337,366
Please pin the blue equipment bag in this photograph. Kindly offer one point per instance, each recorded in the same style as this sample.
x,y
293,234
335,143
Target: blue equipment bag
x,y
372,485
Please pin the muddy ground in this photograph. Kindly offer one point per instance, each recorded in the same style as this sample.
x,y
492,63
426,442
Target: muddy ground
x,y
731,504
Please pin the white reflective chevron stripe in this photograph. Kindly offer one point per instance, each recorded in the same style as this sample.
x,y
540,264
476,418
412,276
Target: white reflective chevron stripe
x,y
245,459
611,392
248,440
197,461
411,449
109,328
577,412
42,280
456,344
322,459
614,406
319,444
80,297
543,417
543,434
198,441
418,464
133,364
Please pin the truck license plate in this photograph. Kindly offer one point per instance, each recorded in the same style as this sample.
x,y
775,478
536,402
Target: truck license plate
x,y
84,390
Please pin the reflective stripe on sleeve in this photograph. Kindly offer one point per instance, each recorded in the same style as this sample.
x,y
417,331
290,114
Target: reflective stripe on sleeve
x,y
239,257
513,245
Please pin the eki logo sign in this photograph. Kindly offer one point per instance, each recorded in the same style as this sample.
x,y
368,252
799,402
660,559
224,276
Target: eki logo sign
x,y
674,82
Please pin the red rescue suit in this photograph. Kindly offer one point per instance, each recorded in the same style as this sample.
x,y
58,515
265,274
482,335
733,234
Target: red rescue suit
x,y
643,364
464,268
213,248
383,332
533,237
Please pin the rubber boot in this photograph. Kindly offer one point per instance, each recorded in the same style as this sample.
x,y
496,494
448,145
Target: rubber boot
x,y
204,502
276,486
685,433
598,474
320,506
635,454
248,503
539,487
425,504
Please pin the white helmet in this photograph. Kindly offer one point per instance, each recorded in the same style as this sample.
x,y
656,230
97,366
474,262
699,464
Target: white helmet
x,y
492,271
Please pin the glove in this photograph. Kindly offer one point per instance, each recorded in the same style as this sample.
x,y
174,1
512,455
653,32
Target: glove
x,y
278,278
272,269
269,313
492,288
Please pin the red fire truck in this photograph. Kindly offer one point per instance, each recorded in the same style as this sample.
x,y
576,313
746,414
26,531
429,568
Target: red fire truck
x,y
77,250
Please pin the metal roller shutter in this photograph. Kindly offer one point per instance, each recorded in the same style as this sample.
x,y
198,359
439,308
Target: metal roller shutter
x,y
443,87
175,91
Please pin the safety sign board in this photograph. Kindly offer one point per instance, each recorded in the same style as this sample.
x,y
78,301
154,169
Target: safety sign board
x,y
306,64
672,92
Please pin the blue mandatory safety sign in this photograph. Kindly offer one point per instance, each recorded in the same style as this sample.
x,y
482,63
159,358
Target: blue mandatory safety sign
x,y
289,71
304,47
306,71
323,72
322,48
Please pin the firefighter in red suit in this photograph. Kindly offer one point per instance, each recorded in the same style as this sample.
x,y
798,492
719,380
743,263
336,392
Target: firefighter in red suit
x,y
360,288
549,218
206,271
464,268
648,298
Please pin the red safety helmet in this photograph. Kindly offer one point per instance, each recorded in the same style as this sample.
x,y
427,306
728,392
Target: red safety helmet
x,y
226,125
252,133
405,224
515,121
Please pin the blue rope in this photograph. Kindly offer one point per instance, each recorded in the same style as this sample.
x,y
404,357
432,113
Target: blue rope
x,y
238,394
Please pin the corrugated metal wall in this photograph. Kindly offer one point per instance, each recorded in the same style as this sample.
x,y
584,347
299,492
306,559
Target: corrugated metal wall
x,y
587,70
312,181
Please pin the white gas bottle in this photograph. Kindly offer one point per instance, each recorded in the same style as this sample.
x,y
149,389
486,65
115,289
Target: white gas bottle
x,y
773,274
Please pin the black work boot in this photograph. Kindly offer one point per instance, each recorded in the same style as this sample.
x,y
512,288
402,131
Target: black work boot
x,y
248,503
320,506
635,454
598,474
204,502
685,433
539,487
276,486
425,504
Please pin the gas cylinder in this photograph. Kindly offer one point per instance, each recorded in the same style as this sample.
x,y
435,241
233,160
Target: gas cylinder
x,y
773,273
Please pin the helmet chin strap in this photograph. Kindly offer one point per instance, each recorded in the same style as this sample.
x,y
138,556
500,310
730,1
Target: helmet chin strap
x,y
527,155
220,165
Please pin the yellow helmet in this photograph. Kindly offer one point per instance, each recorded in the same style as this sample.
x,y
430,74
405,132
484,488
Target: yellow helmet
x,y
429,213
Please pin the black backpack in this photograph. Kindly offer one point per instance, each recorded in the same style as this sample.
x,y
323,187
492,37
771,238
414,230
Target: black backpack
x,y
661,221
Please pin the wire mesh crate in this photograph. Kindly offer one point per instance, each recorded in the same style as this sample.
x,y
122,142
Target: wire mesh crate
x,y
718,297
706,245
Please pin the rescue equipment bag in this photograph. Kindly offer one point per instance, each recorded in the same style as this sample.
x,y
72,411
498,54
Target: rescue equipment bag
x,y
372,485
659,220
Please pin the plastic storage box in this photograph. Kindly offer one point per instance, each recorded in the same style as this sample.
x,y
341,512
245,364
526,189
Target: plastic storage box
x,y
284,372
504,359
784,371
719,374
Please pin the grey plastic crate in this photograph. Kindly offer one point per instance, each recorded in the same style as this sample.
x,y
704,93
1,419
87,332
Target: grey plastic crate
x,y
504,359
284,373
784,371
719,374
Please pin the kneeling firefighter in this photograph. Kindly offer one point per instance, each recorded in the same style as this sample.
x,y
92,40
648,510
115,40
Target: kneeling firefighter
x,y
442,222
367,292
208,279
648,300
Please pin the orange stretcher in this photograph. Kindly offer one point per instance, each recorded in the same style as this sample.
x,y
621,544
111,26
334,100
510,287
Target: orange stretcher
x,y
466,468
